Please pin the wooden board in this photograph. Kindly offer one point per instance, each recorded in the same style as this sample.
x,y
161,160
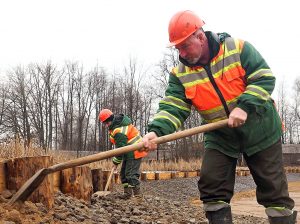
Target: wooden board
x,y
150,175
19,170
77,182
191,174
3,176
56,181
97,179
163,176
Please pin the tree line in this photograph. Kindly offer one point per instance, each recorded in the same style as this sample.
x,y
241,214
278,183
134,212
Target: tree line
x,y
288,104
56,108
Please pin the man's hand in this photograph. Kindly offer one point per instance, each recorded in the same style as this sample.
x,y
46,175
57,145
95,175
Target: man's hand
x,y
237,118
116,161
149,144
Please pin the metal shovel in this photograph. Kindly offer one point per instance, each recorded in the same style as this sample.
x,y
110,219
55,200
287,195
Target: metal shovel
x,y
31,184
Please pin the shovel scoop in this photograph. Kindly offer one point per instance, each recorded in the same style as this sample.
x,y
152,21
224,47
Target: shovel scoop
x,y
31,184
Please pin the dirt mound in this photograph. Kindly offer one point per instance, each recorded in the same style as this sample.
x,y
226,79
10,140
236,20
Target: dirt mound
x,y
170,201
109,209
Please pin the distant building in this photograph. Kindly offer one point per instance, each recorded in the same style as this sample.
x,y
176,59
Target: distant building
x,y
291,154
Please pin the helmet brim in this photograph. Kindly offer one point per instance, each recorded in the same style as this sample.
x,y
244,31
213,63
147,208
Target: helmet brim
x,y
179,41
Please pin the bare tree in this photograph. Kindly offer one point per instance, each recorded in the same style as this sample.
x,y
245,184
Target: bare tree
x,y
101,83
4,106
18,115
282,105
66,102
170,60
295,113
44,82
85,96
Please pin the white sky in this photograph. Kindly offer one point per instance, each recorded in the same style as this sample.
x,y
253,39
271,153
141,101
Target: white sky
x,y
107,32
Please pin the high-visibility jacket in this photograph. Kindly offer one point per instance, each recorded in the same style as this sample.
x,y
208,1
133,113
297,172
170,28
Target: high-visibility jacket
x,y
133,136
235,76
216,96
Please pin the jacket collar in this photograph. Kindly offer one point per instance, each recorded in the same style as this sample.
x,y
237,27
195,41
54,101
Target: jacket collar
x,y
214,40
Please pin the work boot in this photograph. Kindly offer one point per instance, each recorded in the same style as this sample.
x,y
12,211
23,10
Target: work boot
x,y
221,216
127,193
284,219
138,196
137,191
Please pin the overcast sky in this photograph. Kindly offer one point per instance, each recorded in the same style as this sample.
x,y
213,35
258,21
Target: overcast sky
x,y
107,32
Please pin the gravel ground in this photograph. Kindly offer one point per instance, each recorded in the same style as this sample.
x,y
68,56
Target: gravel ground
x,y
185,189
164,202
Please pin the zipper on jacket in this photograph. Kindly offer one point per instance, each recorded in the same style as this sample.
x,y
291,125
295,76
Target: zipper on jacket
x,y
223,101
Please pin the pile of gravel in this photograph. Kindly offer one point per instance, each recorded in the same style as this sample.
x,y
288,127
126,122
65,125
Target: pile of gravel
x,y
164,202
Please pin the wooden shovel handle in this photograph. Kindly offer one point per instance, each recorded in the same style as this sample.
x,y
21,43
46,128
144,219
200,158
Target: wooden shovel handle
x,y
192,131
31,184
138,146
109,178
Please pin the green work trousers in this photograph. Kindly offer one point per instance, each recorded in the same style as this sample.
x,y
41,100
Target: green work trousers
x,y
217,177
130,171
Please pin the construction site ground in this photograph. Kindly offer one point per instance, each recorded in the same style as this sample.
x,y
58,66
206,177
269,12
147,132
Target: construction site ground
x,y
244,202
165,202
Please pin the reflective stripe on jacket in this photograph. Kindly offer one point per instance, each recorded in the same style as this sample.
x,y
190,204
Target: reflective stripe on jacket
x,y
229,75
133,137
213,94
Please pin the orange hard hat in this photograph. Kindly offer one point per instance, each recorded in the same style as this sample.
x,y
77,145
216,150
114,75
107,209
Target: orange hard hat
x,y
182,25
105,114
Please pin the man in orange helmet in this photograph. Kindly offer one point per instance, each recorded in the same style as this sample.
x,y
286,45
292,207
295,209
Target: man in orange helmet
x,y
224,77
123,133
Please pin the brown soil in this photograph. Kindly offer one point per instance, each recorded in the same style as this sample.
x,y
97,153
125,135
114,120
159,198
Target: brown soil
x,y
244,203
171,201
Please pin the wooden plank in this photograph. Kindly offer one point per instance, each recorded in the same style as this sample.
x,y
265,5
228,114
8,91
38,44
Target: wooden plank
x,y
77,182
191,174
247,173
97,179
3,176
163,175
177,174
56,181
149,175
19,170
143,176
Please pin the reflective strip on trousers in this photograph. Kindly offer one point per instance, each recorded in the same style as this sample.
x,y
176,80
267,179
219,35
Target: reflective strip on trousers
x,y
278,211
215,206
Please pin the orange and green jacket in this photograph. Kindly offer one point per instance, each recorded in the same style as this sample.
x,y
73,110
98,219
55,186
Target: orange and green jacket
x,y
235,76
123,133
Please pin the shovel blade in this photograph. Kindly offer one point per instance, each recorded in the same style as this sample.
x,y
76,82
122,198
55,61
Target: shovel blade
x,y
30,185
101,193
